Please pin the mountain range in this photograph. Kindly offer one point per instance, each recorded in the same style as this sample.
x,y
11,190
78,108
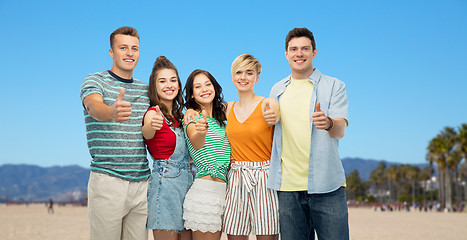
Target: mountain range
x,y
25,183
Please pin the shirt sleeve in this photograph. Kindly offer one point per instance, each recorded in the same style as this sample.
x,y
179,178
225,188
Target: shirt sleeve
x,y
339,104
91,85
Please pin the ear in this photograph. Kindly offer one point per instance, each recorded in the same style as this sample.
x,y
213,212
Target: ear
x,y
286,54
111,53
314,53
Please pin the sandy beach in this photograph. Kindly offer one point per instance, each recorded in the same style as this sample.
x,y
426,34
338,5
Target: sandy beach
x,y
71,222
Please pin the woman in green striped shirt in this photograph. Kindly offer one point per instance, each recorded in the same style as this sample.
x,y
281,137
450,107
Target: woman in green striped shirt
x,y
210,150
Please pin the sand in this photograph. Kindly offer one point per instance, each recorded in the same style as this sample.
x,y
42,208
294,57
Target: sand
x,y
71,222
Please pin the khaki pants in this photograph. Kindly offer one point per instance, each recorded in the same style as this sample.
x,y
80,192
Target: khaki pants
x,y
117,208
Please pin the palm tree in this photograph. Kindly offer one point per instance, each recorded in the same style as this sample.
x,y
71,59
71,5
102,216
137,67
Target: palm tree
x,y
377,179
425,176
392,173
355,187
462,141
436,156
462,147
463,177
441,150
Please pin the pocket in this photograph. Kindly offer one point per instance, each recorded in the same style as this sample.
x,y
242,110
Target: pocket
x,y
170,172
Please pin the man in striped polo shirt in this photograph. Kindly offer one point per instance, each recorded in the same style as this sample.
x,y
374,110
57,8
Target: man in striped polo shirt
x,y
114,105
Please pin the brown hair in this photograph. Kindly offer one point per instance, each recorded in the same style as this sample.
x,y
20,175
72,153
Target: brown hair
x,y
300,32
177,105
125,31
218,103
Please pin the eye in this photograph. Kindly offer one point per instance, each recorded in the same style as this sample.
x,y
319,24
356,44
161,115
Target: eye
x,y
135,49
306,48
250,73
122,48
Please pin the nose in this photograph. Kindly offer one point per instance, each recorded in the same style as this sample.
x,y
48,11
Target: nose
x,y
129,52
172,84
244,74
299,52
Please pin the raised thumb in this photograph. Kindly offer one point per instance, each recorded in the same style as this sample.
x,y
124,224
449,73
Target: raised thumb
x,y
318,107
204,114
158,110
122,92
267,106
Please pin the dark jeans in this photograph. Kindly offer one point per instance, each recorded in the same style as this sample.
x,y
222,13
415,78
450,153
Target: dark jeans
x,y
301,214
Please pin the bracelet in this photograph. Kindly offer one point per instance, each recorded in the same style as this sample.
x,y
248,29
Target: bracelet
x,y
330,125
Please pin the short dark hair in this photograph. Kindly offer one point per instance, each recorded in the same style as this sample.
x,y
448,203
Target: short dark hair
x,y
177,104
125,31
300,32
218,103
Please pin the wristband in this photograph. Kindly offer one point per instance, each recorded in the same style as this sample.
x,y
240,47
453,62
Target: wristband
x,y
331,124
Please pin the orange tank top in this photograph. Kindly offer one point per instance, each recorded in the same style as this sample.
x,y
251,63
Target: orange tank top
x,y
251,140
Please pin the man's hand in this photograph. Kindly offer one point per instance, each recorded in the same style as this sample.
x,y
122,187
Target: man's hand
x,y
158,120
319,119
121,111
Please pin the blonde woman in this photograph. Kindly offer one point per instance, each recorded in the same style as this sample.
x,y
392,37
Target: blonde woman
x,y
250,206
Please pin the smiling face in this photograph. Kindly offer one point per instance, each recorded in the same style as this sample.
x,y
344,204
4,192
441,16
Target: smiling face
x,y
167,85
203,90
245,80
125,54
300,54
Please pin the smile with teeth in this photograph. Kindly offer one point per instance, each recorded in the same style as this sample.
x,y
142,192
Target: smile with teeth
x,y
128,60
243,83
205,95
300,61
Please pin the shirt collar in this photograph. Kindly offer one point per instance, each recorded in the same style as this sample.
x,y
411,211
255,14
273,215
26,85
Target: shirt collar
x,y
314,77
120,78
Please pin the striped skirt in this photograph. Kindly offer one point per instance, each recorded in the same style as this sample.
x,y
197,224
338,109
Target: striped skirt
x,y
250,206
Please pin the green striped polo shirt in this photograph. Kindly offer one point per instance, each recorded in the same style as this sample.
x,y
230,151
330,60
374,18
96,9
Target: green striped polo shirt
x,y
214,157
117,148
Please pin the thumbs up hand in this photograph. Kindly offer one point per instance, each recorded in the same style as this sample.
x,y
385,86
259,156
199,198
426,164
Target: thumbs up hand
x,y
269,115
202,124
121,111
320,120
157,120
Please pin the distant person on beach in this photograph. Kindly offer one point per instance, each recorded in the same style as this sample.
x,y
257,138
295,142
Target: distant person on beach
x,y
162,130
305,165
114,105
50,208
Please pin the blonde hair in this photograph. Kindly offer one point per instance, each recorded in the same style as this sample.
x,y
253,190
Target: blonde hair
x,y
245,62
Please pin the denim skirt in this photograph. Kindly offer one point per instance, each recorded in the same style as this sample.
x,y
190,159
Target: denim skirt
x,y
169,182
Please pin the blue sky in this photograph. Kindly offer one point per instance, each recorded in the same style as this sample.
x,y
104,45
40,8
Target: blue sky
x,y
404,64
